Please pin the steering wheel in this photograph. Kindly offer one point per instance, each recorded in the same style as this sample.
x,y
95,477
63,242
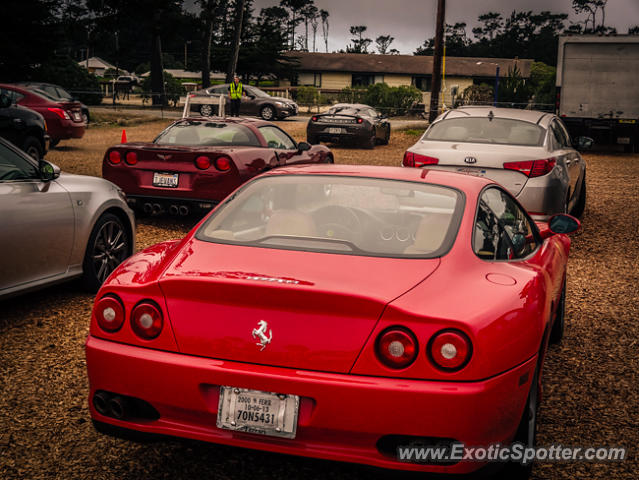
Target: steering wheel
x,y
338,222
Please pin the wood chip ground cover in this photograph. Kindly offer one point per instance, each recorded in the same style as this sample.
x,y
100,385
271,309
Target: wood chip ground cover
x,y
590,384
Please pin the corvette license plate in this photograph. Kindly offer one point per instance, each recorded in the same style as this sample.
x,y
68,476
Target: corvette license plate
x,y
335,130
165,179
254,411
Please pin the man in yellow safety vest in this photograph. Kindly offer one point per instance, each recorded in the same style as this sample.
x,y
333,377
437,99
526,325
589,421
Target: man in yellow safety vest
x,y
235,92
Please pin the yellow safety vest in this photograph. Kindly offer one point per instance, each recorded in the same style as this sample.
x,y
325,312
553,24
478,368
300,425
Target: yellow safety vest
x,y
236,90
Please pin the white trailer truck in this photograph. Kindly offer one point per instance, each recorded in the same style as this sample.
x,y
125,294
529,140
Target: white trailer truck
x,y
598,88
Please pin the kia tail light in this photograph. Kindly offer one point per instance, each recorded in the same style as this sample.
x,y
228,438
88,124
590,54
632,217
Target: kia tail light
x,y
450,350
532,168
396,347
417,160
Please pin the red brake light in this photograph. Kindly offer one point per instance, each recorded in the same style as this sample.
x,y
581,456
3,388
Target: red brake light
x,y
314,119
202,162
109,313
450,350
396,347
532,168
223,164
115,157
60,113
416,160
131,158
359,120
146,320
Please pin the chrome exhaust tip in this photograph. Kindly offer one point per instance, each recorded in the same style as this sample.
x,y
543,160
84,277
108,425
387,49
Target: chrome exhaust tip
x,y
101,403
184,210
117,407
174,210
157,208
147,208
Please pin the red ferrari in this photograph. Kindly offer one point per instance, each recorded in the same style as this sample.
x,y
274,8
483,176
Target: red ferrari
x,y
198,161
338,312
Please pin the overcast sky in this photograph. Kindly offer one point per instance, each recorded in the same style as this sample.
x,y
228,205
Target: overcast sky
x,y
413,21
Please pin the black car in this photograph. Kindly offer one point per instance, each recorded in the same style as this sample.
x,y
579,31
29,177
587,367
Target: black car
x,y
349,122
22,126
57,94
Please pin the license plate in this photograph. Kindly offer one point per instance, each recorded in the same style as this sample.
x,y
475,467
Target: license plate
x,y
623,140
165,179
335,130
254,411
77,116
472,171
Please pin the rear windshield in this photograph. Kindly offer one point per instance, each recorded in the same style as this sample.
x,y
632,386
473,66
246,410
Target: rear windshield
x,y
503,131
344,110
207,133
348,215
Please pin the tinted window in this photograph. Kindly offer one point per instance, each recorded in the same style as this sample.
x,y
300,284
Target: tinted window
x,y
345,110
276,138
15,97
502,230
203,133
14,167
484,130
560,137
350,215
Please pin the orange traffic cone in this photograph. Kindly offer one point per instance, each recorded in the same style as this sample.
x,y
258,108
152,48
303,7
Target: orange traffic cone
x,y
123,136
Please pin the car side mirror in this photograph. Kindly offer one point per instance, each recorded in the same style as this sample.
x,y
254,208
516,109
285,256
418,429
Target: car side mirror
x,y
303,146
48,171
583,143
560,224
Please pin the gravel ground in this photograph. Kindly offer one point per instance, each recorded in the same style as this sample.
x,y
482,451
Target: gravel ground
x,y
590,381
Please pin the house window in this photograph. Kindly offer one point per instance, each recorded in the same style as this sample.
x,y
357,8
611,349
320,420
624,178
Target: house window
x,y
362,80
422,82
309,79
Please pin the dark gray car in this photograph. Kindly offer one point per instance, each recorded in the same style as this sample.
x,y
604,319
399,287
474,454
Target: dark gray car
x,y
349,123
57,226
256,102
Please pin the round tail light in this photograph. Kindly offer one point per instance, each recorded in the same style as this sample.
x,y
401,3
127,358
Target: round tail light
x,y
314,118
396,347
115,157
450,350
109,313
202,162
146,320
360,120
131,158
223,164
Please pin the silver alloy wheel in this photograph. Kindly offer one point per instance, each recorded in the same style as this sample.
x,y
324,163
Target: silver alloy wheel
x,y
267,112
109,249
206,110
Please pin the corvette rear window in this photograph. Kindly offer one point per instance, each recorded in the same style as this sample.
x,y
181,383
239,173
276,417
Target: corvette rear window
x,y
339,214
193,133
504,131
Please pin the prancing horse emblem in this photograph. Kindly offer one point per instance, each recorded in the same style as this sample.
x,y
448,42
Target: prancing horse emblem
x,y
260,332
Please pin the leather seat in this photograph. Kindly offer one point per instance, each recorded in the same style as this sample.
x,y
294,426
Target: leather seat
x,y
291,222
430,233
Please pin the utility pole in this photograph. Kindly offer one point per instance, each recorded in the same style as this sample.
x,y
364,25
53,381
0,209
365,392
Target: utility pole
x,y
437,60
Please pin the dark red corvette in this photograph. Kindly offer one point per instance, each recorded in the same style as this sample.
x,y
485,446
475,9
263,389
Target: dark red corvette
x,y
339,312
198,161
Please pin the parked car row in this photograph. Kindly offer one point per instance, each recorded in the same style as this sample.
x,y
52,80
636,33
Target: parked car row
x,y
297,249
62,117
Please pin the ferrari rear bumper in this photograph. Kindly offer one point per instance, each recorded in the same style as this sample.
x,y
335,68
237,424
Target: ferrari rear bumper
x,y
341,417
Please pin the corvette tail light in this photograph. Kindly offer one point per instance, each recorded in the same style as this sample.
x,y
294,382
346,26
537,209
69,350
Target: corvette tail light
x,y
359,120
131,158
223,164
314,118
202,162
60,113
416,160
450,350
115,157
146,320
532,168
109,313
396,347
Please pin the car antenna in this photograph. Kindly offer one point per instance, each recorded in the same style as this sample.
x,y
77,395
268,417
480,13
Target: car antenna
x,y
491,115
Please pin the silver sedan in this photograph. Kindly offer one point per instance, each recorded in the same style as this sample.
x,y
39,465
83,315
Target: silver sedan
x,y
528,152
57,226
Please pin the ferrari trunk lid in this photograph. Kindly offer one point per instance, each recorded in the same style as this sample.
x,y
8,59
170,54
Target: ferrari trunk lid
x,y
284,308
482,159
